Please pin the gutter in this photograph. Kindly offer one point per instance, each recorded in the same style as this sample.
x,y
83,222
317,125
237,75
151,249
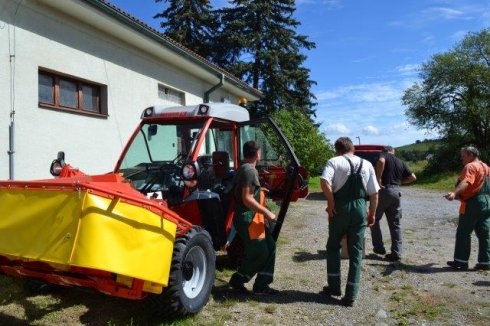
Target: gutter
x,y
215,87
153,34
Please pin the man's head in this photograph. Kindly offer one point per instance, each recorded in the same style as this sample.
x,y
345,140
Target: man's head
x,y
343,145
388,149
251,150
469,154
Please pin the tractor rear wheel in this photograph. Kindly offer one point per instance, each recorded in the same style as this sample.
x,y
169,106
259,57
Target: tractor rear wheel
x,y
192,275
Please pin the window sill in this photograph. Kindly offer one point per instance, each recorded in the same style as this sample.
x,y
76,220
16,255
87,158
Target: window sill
x,y
72,111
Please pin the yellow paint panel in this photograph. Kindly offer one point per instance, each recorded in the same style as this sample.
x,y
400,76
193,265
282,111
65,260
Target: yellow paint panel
x,y
39,225
124,239
85,230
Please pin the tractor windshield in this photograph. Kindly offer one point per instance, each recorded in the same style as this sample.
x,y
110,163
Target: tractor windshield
x,y
154,158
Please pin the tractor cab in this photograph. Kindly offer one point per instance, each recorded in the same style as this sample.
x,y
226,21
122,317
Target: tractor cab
x,y
186,157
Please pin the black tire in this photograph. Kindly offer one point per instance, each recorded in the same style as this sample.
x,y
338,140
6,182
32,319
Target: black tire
x,y
192,275
236,252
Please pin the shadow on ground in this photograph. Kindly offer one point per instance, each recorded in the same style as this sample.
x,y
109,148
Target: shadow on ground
x,y
315,196
85,306
223,293
302,256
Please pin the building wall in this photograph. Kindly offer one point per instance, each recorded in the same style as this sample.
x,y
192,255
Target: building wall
x,y
41,38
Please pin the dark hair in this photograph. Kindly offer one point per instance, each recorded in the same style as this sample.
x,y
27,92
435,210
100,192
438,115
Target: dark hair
x,y
250,149
471,150
388,149
343,145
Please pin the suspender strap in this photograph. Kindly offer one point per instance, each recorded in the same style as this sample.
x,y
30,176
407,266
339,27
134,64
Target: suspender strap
x,y
352,166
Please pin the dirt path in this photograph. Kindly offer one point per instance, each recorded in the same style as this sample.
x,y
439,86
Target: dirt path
x,y
419,290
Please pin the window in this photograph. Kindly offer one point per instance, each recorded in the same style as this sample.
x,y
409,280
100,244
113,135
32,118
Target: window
x,y
170,94
70,94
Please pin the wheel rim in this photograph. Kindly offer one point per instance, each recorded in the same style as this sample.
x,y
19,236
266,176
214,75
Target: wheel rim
x,y
194,272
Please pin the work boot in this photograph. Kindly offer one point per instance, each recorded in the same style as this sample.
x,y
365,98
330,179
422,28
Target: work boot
x,y
347,302
456,265
392,257
266,291
328,291
482,267
378,251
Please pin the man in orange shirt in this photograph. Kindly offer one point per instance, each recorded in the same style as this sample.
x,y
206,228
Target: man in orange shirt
x,y
473,190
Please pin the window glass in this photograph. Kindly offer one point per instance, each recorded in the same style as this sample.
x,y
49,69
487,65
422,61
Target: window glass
x,y
89,98
46,94
68,93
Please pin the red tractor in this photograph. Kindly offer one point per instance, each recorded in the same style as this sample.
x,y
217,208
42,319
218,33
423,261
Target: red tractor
x,y
149,229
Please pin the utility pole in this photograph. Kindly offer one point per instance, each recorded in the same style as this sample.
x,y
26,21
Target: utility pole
x,y
359,139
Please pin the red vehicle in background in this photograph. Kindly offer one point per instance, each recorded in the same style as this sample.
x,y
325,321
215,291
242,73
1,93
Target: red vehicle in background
x,y
369,152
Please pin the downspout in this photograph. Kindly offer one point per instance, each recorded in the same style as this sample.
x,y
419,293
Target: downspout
x,y
12,53
215,87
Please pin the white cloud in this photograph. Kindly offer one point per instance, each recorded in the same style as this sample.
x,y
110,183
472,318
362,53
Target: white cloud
x,y
444,13
408,69
376,92
337,128
370,130
372,111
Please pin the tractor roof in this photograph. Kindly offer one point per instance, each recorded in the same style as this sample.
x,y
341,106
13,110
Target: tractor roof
x,y
225,111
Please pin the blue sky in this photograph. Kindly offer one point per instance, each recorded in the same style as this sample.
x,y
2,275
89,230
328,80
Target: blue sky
x,y
367,53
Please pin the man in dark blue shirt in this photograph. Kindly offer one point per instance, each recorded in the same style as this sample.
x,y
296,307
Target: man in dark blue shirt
x,y
391,172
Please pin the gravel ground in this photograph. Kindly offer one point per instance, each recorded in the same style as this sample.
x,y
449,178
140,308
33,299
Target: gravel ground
x,y
418,290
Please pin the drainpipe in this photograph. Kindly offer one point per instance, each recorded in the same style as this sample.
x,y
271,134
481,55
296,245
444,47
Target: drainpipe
x,y
215,87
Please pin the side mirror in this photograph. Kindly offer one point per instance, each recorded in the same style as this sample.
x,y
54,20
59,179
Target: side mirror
x,y
57,164
152,131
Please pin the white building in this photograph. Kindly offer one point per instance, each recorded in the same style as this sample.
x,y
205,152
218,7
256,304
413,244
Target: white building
x,y
78,73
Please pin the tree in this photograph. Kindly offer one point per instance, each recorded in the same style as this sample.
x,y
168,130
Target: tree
x,y
310,145
259,44
453,96
189,22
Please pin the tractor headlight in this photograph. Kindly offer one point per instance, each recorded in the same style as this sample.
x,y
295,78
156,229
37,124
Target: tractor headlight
x,y
203,109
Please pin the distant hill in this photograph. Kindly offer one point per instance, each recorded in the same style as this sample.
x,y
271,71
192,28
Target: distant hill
x,y
417,151
420,146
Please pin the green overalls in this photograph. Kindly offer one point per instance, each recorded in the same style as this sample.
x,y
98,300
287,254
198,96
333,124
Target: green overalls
x,y
350,218
259,246
475,217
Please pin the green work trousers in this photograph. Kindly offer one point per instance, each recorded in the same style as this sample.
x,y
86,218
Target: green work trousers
x,y
260,255
351,222
350,219
476,217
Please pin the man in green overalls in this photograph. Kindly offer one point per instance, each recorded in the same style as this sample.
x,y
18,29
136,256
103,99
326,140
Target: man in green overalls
x,y
473,190
249,222
347,181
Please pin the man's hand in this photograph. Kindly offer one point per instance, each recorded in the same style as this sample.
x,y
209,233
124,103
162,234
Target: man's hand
x,y
270,216
330,212
450,196
370,218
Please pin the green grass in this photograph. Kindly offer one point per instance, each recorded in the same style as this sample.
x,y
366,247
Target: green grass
x,y
440,181
314,184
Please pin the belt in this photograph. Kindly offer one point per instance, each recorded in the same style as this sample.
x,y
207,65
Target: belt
x,y
392,185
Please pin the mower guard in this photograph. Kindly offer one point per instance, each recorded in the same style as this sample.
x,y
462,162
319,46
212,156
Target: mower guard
x,y
97,223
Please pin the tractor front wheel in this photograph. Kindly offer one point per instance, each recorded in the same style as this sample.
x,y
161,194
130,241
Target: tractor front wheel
x,y
192,275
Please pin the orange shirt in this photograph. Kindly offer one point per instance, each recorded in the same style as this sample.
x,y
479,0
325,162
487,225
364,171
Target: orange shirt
x,y
474,173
